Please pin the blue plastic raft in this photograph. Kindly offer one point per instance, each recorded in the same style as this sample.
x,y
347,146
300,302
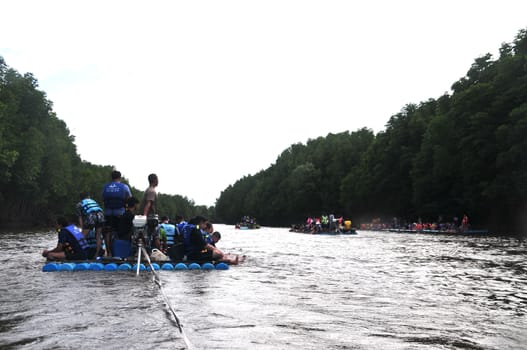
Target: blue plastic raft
x,y
97,266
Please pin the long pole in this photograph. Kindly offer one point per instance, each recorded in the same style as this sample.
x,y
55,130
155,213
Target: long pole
x,y
157,281
139,249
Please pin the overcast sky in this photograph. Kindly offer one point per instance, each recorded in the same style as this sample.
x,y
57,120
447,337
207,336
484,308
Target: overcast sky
x,y
205,92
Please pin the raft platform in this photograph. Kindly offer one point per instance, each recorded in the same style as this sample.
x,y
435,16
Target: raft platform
x,y
124,265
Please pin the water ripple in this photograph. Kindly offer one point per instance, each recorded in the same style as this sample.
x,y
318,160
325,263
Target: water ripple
x,y
370,291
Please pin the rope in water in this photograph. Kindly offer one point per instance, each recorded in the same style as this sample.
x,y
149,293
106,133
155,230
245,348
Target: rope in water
x,y
157,281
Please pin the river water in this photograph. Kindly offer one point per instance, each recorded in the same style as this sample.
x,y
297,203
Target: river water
x,y
295,291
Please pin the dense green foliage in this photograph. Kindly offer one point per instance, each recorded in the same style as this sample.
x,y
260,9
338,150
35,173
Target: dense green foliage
x,y
464,152
41,174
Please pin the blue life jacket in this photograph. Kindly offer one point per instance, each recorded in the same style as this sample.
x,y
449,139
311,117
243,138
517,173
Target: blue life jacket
x,y
181,225
170,231
186,232
114,196
91,239
207,236
79,237
89,206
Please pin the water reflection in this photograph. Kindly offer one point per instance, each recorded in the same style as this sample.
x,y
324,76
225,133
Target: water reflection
x,y
296,291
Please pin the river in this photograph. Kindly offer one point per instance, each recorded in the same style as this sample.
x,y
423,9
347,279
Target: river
x,y
373,290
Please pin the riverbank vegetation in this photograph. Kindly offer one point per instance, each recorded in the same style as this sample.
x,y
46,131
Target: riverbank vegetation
x,y
41,173
462,153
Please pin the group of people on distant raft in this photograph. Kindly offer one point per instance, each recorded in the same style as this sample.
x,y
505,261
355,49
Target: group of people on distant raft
x,y
329,223
92,231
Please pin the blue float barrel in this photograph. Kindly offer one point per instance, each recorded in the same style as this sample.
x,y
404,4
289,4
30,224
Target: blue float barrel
x,y
81,267
155,266
125,267
222,266
194,266
96,267
66,267
207,266
50,267
142,267
110,267
181,266
167,266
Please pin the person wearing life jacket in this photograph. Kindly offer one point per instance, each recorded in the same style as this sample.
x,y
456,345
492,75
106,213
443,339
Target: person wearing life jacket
x,y
176,251
71,245
197,249
91,239
216,236
179,222
90,216
167,233
114,195
325,221
207,232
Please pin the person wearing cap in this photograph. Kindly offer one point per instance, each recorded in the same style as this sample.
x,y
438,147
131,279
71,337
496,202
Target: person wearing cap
x,y
114,195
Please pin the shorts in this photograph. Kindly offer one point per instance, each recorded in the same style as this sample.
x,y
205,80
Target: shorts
x,y
93,220
201,256
111,223
75,255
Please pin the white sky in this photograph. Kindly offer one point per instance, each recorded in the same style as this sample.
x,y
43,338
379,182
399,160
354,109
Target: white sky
x,y
205,92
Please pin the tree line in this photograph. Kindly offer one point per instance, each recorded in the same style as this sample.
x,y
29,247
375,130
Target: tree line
x,y
462,153
41,173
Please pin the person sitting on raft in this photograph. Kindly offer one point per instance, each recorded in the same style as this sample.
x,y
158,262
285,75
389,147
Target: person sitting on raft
x,y
207,232
197,249
216,236
167,233
72,244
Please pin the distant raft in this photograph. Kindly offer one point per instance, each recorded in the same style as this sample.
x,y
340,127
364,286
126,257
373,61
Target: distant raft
x,y
331,233
126,266
349,232
443,232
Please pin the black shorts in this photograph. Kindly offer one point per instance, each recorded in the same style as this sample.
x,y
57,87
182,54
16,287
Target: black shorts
x,y
76,255
206,256
111,223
